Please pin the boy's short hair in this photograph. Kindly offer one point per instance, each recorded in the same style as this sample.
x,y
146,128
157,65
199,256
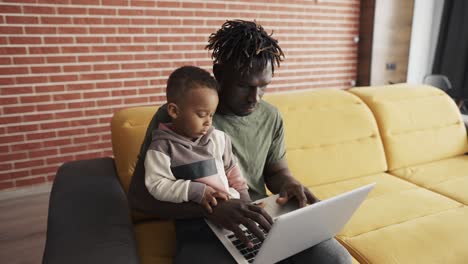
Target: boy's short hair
x,y
185,78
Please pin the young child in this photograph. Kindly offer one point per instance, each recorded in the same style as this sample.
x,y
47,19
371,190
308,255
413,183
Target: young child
x,y
188,159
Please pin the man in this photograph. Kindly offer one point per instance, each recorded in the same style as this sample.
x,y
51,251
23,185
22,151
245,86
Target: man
x,y
244,60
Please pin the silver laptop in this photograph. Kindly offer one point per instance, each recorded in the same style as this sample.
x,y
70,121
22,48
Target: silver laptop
x,y
294,229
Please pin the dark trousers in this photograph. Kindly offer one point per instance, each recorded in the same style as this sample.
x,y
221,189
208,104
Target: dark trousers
x,y
196,243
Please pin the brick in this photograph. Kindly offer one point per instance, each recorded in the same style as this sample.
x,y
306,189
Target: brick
x,y
30,181
41,135
38,10
79,87
67,115
106,67
9,120
28,60
93,76
12,50
28,164
122,75
11,139
18,109
98,130
54,125
77,68
86,139
26,146
116,21
119,57
58,40
89,40
44,170
46,69
81,105
13,70
41,30
102,11
102,30
59,160
13,156
83,122
133,48
63,78
73,149
144,21
43,50
71,132
49,88
57,143
37,117
88,156
56,20
113,84
51,107
131,12
8,9
115,2
87,21
98,112
6,166
95,58
131,30
75,49
71,11
85,2
127,66
35,99
5,61
8,100
143,3
22,128
22,20
10,30
13,174
72,30
101,94
6,185
61,59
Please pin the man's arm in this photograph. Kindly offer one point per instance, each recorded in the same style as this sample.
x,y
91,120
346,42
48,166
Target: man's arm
x,y
278,179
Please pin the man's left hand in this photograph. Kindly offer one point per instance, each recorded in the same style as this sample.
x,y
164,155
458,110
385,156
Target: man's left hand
x,y
293,189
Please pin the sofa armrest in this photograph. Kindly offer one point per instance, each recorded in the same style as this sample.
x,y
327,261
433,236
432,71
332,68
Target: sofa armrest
x,y
89,218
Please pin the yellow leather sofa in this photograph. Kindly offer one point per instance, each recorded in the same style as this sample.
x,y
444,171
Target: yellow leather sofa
x,y
409,139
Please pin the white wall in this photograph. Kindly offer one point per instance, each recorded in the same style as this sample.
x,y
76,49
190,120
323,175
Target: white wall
x,y
426,22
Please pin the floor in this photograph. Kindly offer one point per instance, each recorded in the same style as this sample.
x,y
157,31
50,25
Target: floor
x,y
23,225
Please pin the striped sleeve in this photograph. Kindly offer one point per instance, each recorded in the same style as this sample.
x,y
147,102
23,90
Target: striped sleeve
x,y
160,181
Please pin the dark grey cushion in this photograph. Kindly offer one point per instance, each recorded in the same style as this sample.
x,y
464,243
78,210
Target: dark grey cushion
x,y
89,218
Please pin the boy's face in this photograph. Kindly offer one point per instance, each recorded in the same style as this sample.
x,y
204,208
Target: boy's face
x,y
193,115
240,94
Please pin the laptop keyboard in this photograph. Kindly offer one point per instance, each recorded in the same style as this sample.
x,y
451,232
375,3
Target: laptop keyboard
x,y
248,253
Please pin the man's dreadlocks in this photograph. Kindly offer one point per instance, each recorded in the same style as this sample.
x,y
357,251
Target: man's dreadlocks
x,y
243,45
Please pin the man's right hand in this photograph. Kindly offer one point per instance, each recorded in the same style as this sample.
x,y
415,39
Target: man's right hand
x,y
232,213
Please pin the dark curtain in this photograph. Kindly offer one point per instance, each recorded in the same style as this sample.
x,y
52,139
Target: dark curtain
x,y
451,58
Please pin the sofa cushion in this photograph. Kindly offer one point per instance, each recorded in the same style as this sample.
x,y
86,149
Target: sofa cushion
x,y
330,136
418,123
128,130
392,201
437,238
448,177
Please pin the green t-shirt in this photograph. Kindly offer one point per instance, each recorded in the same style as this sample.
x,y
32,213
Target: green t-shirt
x,y
257,139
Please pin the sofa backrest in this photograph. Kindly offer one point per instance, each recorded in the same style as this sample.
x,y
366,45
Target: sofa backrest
x,y
418,123
331,135
128,128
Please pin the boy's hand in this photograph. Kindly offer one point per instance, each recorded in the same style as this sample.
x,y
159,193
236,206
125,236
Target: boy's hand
x,y
209,198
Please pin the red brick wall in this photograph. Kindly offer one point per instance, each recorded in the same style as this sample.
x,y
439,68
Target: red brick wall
x,y
66,66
